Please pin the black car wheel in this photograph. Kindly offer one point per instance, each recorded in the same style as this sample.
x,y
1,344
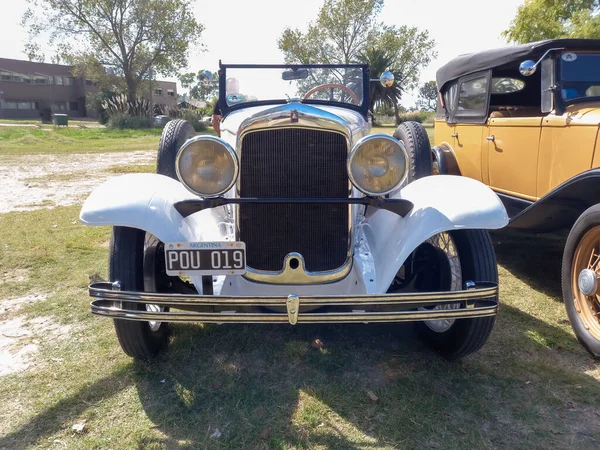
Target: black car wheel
x,y
174,135
415,140
134,262
467,255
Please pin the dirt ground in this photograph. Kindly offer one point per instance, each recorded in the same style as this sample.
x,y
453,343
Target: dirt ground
x,y
37,181
45,181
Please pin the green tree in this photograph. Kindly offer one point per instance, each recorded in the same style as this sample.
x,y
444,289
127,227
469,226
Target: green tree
x,y
348,31
34,52
199,85
342,30
134,38
428,95
551,19
411,50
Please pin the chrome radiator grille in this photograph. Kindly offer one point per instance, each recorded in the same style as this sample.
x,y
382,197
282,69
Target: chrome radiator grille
x,y
294,163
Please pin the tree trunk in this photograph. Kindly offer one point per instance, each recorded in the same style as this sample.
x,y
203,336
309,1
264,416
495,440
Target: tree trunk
x,y
131,89
396,114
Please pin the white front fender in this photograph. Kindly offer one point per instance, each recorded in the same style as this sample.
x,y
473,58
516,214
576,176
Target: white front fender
x,y
441,203
145,201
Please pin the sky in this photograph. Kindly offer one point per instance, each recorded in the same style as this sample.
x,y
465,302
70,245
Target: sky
x,y
246,31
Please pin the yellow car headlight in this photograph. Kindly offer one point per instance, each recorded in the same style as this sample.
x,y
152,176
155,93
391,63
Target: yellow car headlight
x,y
377,164
207,166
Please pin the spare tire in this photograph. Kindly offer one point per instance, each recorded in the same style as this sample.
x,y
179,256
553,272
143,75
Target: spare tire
x,y
415,140
174,135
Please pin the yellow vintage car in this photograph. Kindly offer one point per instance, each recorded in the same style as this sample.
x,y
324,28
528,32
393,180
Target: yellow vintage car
x,y
524,120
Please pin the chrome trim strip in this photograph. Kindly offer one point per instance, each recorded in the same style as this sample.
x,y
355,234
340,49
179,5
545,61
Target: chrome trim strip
x,y
293,308
106,291
288,275
100,309
308,117
279,117
481,301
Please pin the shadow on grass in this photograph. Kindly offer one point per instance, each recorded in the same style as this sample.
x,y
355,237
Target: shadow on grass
x,y
264,387
66,411
535,259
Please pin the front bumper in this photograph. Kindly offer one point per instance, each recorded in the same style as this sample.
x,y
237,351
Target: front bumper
x,y
480,300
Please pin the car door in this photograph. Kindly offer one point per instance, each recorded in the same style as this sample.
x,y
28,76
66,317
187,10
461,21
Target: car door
x,y
444,132
469,117
567,146
513,149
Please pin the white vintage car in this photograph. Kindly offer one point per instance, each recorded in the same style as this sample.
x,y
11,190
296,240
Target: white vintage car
x,y
295,214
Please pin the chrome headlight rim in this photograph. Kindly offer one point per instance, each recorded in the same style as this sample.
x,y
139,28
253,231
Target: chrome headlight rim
x,y
353,153
231,152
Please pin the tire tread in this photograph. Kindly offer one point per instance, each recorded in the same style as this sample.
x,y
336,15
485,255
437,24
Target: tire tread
x,y
415,139
174,135
126,251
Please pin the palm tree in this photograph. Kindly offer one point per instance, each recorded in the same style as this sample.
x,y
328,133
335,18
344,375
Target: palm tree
x,y
380,60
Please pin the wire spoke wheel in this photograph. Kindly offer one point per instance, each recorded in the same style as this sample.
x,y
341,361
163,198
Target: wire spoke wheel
x,y
446,262
446,250
584,281
153,273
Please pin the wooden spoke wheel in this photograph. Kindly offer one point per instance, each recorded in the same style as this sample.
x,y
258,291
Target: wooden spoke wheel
x,y
584,281
580,279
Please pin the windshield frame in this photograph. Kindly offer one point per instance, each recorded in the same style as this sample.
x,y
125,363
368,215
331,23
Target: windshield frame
x,y
226,109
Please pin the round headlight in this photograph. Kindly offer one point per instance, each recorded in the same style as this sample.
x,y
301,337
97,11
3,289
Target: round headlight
x,y
207,166
378,164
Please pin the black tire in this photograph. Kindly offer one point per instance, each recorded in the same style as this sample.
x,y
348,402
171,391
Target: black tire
x,y
126,265
174,135
589,220
478,263
415,139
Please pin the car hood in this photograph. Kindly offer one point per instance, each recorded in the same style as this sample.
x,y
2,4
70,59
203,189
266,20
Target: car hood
x,y
342,119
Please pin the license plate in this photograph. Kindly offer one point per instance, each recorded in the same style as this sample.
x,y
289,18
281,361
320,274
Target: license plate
x,y
205,258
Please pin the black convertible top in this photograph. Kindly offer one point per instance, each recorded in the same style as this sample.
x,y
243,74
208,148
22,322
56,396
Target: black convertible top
x,y
474,62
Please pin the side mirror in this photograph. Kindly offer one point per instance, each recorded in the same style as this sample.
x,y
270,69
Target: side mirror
x,y
527,68
386,79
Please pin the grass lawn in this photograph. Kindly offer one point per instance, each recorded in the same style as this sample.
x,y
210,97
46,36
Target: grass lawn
x,y
262,387
29,140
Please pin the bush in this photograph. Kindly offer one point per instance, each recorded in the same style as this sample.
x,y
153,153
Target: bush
x,y
120,104
415,116
96,103
123,121
383,119
195,118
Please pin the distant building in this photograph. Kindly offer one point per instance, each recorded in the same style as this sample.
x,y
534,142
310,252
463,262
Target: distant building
x,y
31,90
164,95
